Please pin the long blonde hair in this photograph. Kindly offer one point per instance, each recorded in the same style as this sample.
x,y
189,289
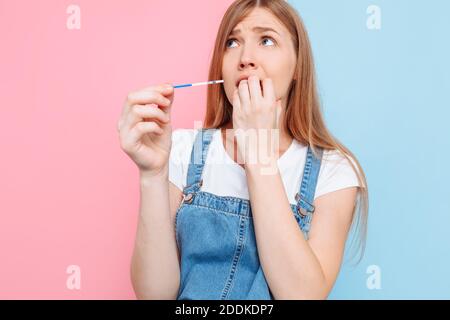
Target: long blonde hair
x,y
303,120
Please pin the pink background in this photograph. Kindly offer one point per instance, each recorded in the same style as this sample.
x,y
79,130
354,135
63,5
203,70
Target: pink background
x,y
69,194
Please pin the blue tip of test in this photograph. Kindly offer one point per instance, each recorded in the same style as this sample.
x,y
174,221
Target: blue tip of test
x,y
183,85
198,84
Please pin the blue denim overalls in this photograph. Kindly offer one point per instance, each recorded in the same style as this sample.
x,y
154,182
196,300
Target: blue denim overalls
x,y
215,234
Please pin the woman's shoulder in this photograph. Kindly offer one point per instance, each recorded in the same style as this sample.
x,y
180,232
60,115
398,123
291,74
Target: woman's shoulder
x,y
335,157
185,137
182,139
184,134
182,143
336,172
338,168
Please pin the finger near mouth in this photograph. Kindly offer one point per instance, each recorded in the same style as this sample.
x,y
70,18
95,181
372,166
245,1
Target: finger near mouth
x,y
260,84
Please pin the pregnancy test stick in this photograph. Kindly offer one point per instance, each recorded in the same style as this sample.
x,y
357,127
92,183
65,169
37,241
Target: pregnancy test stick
x,y
198,84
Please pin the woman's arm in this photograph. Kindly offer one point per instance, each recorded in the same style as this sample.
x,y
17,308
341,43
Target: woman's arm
x,y
155,269
294,267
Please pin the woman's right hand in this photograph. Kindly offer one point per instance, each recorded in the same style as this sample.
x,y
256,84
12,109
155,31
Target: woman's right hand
x,y
145,131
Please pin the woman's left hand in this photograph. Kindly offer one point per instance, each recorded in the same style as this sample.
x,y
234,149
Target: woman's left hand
x,y
257,117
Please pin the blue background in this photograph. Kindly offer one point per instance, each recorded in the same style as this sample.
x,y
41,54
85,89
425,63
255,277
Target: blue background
x,y
385,96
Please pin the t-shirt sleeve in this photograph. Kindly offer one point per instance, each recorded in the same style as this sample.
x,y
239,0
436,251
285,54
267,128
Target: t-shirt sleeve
x,y
182,141
336,172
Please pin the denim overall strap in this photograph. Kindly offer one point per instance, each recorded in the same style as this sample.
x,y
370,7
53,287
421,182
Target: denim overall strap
x,y
198,156
305,197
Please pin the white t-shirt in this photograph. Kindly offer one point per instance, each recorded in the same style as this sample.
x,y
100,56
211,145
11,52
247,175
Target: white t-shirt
x,y
224,177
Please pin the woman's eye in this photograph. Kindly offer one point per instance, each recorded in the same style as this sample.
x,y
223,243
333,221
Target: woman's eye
x,y
232,39
228,41
268,38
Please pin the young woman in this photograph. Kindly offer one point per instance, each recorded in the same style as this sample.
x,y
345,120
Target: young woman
x,y
215,221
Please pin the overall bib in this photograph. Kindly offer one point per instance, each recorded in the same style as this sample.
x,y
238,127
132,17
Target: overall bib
x,y
216,238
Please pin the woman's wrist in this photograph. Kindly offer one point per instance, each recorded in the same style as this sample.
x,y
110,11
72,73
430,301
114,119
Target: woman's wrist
x,y
154,175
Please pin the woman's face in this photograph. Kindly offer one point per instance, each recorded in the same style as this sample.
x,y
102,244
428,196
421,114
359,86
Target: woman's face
x,y
264,53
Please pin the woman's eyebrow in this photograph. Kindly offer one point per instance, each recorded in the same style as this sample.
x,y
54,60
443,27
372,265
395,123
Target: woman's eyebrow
x,y
255,29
